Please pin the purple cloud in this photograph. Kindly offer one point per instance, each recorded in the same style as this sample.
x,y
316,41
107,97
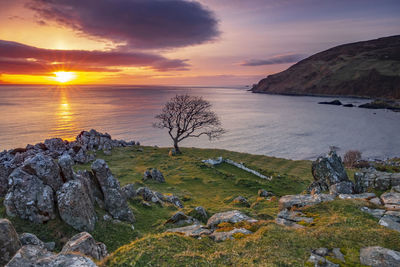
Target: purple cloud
x,y
16,58
144,24
279,59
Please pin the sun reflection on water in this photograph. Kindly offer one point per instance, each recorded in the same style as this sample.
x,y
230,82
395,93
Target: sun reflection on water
x,y
66,124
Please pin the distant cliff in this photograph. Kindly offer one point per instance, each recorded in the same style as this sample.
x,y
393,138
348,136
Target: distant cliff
x,y
364,69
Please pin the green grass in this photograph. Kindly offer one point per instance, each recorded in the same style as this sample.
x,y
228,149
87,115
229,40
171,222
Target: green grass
x,y
337,224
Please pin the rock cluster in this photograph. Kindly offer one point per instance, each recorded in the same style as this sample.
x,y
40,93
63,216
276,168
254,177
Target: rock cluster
x,y
212,228
379,257
318,257
330,175
41,186
292,218
39,159
153,175
372,179
149,196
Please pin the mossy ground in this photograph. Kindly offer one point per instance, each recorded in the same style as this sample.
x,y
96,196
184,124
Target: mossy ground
x,y
337,224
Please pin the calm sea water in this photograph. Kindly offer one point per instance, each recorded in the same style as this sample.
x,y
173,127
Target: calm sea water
x,y
281,126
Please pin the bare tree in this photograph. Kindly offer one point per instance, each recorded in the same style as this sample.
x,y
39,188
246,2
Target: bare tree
x,y
188,116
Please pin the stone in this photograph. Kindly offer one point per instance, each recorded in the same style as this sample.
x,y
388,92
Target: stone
x,y
9,241
129,191
241,201
173,200
377,213
75,206
345,187
391,222
66,260
338,254
149,195
180,218
85,244
294,216
28,198
29,255
289,201
329,169
379,257
222,236
320,261
233,216
195,230
50,246
91,186
46,169
391,198
114,201
30,239
376,200
199,213
66,162
363,196
264,193
154,175
5,171
395,189
55,145
372,179
392,207
288,223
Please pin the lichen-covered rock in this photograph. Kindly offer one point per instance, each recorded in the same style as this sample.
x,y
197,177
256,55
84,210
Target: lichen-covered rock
x,y
75,206
5,171
195,230
240,200
173,200
92,186
114,201
66,162
233,216
9,241
364,196
345,187
154,175
149,195
373,179
56,145
289,201
379,257
180,218
329,169
129,191
391,198
377,213
85,244
28,198
30,239
222,236
264,193
36,256
199,213
46,168
292,216
391,220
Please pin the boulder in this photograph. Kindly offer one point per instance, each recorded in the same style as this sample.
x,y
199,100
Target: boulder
x,y
154,175
329,169
377,213
199,213
92,186
289,201
129,191
149,195
5,171
85,244
376,200
66,162
222,236
233,216
173,200
379,257
345,187
39,257
30,239
114,201
391,198
195,230
28,198
75,206
391,220
180,218
363,196
372,179
46,168
264,193
241,201
56,145
9,241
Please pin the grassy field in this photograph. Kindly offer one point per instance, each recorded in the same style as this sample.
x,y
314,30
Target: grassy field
x,y
337,224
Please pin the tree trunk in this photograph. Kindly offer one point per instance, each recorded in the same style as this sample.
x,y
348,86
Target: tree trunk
x,y
177,150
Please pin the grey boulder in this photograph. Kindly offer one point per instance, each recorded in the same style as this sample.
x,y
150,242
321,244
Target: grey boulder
x,y
9,241
75,206
30,239
379,257
85,244
154,175
66,162
114,200
233,216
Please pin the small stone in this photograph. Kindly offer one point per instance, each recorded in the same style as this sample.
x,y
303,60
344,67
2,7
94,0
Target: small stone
x,y
376,201
264,193
241,201
364,196
50,246
30,239
222,236
155,175
233,216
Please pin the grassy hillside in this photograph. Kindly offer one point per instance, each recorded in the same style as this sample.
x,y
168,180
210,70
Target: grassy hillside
x,y
336,224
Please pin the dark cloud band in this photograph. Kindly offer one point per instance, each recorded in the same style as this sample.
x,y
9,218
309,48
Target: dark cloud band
x,y
144,24
280,59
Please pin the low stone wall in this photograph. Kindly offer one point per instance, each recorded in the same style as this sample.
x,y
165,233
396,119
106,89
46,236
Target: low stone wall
x,y
238,165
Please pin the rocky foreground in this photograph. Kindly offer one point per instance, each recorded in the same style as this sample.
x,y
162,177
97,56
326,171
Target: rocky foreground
x,y
39,184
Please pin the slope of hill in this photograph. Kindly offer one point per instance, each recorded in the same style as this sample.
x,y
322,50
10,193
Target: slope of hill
x,y
362,69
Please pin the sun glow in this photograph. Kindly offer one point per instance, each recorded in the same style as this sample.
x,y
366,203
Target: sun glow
x,y
64,76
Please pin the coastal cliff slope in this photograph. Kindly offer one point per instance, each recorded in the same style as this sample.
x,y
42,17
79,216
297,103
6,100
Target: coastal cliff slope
x,y
363,69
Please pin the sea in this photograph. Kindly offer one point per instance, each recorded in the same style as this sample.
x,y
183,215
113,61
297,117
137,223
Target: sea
x,y
292,127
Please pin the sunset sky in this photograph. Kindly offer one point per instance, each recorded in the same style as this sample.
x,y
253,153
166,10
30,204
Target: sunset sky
x,y
176,42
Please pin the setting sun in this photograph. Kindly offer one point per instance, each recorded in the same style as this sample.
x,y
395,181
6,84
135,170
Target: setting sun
x,y
64,76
